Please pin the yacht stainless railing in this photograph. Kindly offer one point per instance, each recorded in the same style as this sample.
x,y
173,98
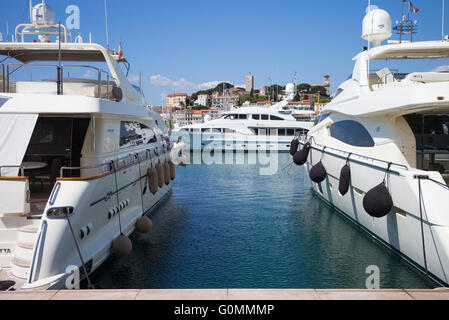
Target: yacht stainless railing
x,y
22,170
13,67
3,78
123,162
325,149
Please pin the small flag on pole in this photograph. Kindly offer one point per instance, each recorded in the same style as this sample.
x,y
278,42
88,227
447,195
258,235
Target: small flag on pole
x,y
412,8
120,51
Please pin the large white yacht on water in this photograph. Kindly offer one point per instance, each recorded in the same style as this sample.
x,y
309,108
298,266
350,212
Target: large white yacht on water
x,y
380,152
82,160
250,129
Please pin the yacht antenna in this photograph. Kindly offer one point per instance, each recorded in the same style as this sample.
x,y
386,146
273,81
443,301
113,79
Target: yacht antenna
x,y
106,22
31,10
140,81
7,31
406,26
442,23
59,87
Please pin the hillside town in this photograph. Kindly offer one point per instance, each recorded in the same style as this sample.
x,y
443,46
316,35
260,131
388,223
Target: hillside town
x,y
182,109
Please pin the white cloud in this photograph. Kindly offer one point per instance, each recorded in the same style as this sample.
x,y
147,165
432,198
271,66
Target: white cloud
x,y
182,84
441,69
134,78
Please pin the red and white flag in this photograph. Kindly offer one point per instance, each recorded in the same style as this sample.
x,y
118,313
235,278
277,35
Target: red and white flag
x,y
411,7
120,51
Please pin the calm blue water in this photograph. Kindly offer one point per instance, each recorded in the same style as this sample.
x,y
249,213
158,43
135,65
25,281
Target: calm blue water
x,y
227,226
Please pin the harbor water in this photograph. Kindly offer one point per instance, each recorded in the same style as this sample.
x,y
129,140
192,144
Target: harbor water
x,y
233,225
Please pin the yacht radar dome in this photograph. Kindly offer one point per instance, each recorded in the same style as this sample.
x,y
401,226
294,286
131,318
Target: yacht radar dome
x,y
377,26
290,88
42,15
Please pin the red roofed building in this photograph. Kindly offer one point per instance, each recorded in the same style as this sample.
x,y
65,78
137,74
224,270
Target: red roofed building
x,y
177,100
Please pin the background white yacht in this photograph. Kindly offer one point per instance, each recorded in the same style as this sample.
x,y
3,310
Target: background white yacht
x,y
78,155
250,128
390,133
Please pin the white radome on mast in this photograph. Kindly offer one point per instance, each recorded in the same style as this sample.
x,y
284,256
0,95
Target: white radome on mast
x,y
376,26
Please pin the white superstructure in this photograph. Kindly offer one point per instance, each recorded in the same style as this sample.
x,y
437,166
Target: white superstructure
x,y
250,128
77,152
392,130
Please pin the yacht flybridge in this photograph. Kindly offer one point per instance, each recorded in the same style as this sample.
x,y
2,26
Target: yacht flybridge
x,y
380,152
82,160
250,129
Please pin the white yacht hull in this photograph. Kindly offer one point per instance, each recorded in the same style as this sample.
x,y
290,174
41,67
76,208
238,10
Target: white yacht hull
x,y
233,143
424,245
52,247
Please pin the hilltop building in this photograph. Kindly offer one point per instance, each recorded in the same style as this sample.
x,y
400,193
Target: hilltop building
x,y
202,100
263,91
177,100
249,83
326,84
228,100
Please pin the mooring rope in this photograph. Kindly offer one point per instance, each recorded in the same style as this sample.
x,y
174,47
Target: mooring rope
x,y
422,226
116,194
89,284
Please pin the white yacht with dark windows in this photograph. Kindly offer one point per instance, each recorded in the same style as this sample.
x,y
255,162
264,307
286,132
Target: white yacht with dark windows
x,y
250,129
380,152
82,160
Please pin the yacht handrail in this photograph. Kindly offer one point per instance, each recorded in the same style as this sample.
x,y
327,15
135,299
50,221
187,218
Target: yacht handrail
x,y
22,170
352,154
20,65
3,78
148,154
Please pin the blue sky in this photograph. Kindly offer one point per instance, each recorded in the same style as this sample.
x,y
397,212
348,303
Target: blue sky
x,y
184,46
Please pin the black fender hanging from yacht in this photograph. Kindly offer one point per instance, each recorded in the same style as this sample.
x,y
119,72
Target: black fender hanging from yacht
x,y
294,146
377,202
301,156
318,172
345,177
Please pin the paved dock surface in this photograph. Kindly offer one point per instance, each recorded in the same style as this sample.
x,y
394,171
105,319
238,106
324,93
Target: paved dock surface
x,y
229,294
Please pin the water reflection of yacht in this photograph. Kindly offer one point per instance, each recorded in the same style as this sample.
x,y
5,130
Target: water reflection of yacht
x,y
76,155
250,128
379,153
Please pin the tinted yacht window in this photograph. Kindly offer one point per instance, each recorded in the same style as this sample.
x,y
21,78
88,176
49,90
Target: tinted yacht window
x,y
275,118
134,134
351,132
256,116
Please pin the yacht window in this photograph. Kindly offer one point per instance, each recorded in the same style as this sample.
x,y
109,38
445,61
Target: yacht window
x,y
281,132
205,129
226,130
275,118
196,130
135,133
273,132
256,116
290,132
262,132
351,132
254,130
431,132
321,117
242,116
264,116
216,130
